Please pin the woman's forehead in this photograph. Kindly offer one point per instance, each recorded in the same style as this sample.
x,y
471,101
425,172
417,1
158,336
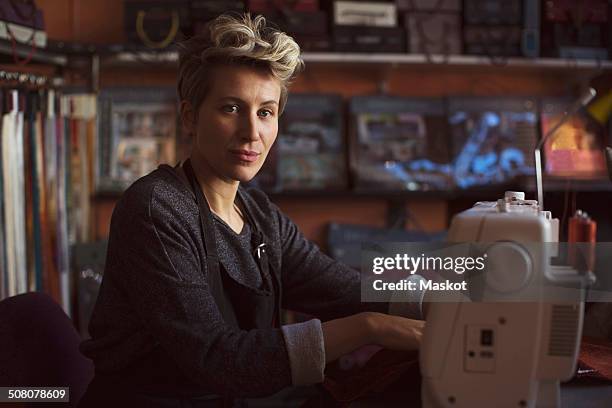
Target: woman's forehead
x,y
244,82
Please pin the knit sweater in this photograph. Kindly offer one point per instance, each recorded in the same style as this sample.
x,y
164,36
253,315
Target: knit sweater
x,y
154,294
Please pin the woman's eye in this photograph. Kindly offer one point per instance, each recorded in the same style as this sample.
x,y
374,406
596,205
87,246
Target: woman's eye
x,y
230,108
265,113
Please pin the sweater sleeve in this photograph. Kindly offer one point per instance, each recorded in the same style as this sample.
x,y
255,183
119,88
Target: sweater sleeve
x,y
306,351
153,256
314,283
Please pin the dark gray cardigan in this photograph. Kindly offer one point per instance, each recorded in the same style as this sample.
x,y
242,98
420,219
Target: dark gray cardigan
x,y
155,293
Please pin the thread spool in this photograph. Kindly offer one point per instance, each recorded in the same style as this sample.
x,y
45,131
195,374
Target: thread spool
x,y
582,232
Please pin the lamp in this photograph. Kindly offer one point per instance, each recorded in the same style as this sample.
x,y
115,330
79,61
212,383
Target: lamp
x,y
576,106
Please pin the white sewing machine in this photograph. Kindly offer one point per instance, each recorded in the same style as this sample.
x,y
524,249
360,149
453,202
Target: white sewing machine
x,y
505,353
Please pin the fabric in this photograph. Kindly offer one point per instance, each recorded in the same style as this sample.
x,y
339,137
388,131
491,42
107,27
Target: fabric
x,y
377,375
595,359
155,308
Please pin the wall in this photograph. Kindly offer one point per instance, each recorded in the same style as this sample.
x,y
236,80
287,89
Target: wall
x,y
101,22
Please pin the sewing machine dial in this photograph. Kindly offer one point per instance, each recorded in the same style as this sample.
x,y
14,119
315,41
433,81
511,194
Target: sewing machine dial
x,y
509,267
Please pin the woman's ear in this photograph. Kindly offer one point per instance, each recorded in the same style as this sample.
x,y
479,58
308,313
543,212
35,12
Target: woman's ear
x,y
187,114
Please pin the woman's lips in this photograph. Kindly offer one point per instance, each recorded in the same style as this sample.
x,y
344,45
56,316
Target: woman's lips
x,y
245,155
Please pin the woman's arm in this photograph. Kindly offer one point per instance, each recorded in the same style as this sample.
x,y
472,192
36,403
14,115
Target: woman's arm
x,y
342,336
318,285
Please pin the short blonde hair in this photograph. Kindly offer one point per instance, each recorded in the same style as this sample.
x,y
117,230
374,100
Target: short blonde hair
x,y
236,40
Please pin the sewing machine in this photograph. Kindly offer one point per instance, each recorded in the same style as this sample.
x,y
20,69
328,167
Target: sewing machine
x,y
516,334
497,352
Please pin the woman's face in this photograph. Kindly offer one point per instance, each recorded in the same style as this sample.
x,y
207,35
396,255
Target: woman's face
x,y
237,122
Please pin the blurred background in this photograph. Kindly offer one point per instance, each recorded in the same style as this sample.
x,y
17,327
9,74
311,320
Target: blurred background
x,y
408,112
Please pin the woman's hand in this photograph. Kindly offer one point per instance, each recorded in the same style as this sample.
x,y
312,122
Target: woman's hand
x,y
342,336
394,332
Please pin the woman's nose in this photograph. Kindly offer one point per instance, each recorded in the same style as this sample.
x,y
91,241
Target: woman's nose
x,y
250,129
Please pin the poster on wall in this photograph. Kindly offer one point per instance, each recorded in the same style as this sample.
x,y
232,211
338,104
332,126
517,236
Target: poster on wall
x,y
310,150
137,132
493,139
311,147
399,144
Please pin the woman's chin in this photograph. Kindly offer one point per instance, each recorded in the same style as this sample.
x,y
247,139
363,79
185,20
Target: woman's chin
x,y
244,175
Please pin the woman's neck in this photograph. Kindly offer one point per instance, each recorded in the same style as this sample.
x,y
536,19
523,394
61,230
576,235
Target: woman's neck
x,y
220,194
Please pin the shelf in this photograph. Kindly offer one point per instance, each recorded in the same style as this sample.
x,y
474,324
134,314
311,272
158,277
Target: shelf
x,y
360,194
484,193
40,55
561,184
170,58
132,58
455,60
388,195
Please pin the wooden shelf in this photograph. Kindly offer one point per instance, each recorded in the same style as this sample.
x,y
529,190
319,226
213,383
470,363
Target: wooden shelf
x,y
170,58
360,194
39,55
456,60
315,194
139,58
487,193
560,184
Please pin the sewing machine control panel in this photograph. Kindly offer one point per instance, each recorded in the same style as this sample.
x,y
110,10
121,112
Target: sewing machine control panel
x,y
480,348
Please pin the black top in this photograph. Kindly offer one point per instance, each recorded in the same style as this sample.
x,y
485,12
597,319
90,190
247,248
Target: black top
x,y
155,295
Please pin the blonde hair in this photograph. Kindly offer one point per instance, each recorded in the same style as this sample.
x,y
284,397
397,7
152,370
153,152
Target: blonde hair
x,y
236,40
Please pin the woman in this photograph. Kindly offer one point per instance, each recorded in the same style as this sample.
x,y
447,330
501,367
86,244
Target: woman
x,y
198,267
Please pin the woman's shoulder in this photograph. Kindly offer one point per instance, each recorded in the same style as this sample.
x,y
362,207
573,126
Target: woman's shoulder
x,y
257,201
265,212
161,190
